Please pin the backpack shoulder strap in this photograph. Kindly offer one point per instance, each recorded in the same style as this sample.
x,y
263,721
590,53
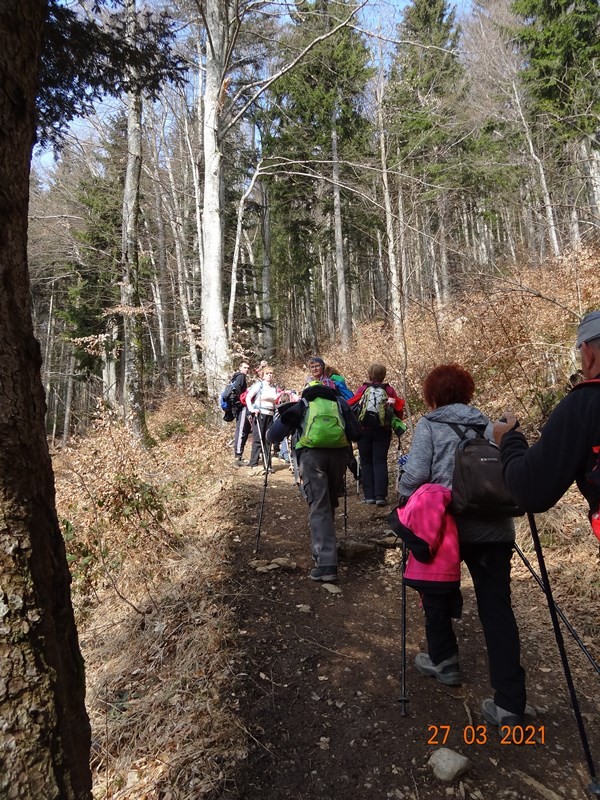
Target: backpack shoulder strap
x,y
458,429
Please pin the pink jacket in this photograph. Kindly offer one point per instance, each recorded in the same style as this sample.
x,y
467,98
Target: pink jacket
x,y
434,536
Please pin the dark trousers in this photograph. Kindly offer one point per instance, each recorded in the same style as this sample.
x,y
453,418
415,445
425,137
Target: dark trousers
x,y
243,429
489,565
373,448
260,426
322,474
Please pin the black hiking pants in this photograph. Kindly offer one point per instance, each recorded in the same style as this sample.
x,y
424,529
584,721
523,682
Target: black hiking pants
x,y
260,426
373,448
489,565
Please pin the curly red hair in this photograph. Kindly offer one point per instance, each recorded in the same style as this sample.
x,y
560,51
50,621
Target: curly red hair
x,y
446,384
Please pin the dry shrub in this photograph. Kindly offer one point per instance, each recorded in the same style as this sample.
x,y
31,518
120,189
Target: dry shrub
x,y
155,628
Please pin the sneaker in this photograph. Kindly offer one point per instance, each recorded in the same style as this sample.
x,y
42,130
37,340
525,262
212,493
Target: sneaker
x,y
325,574
381,501
370,501
500,716
446,672
238,461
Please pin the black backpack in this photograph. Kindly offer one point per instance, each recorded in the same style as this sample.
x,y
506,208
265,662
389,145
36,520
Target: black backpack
x,y
478,488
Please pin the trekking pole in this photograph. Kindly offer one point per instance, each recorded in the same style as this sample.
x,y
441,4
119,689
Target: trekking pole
x,y
267,463
262,442
594,786
559,611
345,506
403,699
357,475
260,514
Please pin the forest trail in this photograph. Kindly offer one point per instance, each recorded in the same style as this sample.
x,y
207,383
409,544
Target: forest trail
x,y
318,680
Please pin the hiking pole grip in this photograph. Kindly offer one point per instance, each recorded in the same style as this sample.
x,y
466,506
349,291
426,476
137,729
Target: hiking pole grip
x,y
593,786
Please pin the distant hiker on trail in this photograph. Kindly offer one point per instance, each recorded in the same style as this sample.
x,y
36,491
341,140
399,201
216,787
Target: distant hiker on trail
x,y
485,546
242,423
260,369
260,402
378,409
569,447
286,397
328,377
322,426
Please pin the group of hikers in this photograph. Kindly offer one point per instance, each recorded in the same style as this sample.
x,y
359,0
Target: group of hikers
x,y
320,425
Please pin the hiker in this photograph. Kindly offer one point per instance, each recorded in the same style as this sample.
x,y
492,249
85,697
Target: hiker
x,y
260,402
339,382
286,396
260,369
569,447
485,546
378,409
242,423
328,376
322,426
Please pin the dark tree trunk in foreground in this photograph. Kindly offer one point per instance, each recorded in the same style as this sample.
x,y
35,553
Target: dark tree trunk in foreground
x,y
44,730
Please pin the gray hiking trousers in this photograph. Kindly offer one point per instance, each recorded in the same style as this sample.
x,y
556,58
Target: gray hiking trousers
x,y
322,473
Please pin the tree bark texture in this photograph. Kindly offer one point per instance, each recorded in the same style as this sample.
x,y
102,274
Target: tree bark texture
x,y
44,729
133,350
214,338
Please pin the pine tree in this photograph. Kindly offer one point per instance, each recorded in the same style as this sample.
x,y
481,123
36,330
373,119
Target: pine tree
x,y
561,40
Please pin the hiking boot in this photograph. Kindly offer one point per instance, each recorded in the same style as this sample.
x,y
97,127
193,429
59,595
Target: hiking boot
x,y
446,672
238,461
325,574
370,501
380,501
500,716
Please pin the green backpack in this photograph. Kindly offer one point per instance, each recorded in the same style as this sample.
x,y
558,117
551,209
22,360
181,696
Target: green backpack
x,y
323,425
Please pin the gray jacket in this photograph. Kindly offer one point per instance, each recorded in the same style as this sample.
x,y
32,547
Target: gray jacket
x,y
431,460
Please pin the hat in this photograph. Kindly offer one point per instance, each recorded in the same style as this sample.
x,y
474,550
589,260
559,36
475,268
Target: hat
x,y
589,328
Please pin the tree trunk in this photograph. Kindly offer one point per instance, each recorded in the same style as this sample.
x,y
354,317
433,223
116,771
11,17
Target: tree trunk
x,y
45,733
344,310
133,326
552,233
68,399
214,338
236,250
266,275
395,279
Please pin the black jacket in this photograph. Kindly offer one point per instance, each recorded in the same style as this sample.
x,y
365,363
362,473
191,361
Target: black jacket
x,y
239,384
291,415
538,476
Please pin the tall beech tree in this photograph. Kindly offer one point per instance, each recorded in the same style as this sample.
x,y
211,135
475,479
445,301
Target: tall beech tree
x,y
45,733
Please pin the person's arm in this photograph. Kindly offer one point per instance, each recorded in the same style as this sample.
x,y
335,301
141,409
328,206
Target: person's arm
x,y
357,395
238,383
399,402
352,426
417,470
252,392
289,420
538,476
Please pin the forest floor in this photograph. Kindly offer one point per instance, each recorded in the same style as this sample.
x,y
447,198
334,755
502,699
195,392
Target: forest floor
x,y
318,674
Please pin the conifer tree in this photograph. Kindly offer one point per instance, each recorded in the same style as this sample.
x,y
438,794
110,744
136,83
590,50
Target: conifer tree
x,y
318,125
561,40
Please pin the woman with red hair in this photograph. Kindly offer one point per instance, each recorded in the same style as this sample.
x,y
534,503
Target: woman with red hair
x,y
485,547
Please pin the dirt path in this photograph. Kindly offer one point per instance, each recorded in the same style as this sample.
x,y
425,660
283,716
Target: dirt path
x,y
319,685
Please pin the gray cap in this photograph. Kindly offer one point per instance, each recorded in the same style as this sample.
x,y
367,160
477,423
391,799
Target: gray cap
x,y
589,328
